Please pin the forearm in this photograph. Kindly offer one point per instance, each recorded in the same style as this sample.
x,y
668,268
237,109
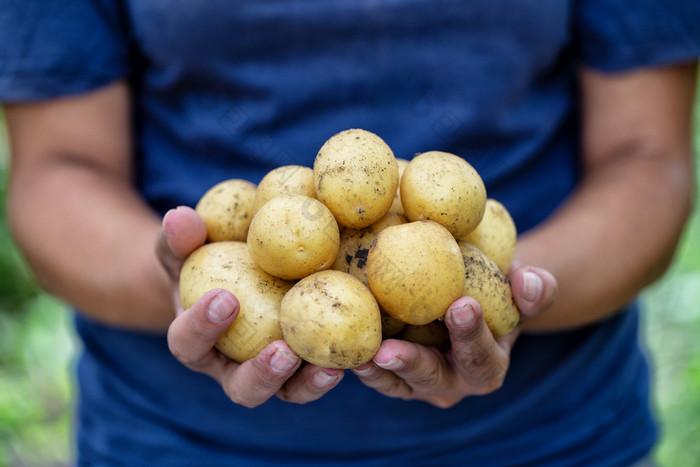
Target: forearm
x,y
90,241
615,235
73,211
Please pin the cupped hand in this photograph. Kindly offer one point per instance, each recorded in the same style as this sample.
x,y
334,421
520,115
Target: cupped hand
x,y
476,362
275,371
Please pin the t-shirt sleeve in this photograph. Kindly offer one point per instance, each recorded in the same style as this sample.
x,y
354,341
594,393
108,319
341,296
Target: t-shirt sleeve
x,y
614,35
57,47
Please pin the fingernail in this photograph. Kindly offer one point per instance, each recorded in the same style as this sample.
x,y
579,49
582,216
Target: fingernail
x,y
165,217
393,364
221,308
322,379
164,226
282,361
168,214
532,286
364,370
463,316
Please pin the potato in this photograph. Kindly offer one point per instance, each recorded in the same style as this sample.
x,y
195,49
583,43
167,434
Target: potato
x,y
445,188
332,320
228,265
288,179
487,284
391,326
434,334
496,235
292,236
396,206
227,210
355,244
352,259
356,175
415,271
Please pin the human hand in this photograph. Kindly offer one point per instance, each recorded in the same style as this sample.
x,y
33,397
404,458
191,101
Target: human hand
x,y
476,362
276,370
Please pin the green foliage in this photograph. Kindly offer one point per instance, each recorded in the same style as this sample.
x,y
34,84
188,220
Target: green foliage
x,y
36,385
16,284
37,348
672,324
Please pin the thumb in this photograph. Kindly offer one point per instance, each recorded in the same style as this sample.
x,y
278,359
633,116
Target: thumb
x,y
534,289
183,231
193,333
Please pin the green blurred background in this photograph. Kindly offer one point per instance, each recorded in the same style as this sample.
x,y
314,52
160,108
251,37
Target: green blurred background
x,y
38,350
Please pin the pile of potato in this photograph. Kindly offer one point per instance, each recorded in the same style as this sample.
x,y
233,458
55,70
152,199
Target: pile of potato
x,y
362,247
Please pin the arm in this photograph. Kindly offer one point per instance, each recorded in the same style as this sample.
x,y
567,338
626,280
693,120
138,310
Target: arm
x,y
615,234
477,363
90,240
619,230
85,232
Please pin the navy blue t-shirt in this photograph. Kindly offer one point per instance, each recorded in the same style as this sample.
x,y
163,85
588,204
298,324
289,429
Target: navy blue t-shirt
x,y
226,89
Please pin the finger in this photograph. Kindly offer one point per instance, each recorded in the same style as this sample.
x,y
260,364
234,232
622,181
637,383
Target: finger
x,y
475,355
192,335
402,369
183,231
309,384
191,338
534,289
256,380
506,342
383,381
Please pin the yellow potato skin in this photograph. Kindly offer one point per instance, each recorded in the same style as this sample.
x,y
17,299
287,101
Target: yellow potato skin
x,y
332,320
487,284
415,271
352,259
391,327
355,244
433,334
285,180
292,236
396,206
356,175
444,188
228,265
227,209
496,235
